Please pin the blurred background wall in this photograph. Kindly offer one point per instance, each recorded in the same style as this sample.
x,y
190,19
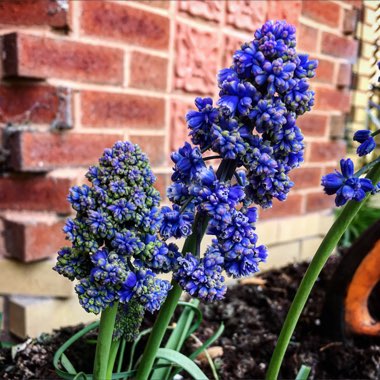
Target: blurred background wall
x,y
79,75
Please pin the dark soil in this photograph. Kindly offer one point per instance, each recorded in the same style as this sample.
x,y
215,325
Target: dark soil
x,y
253,316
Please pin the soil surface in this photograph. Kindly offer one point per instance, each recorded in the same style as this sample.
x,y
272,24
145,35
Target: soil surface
x,y
253,315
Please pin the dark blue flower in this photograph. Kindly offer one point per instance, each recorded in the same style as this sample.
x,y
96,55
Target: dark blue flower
x,y
199,122
238,96
176,223
188,161
268,116
345,185
202,278
367,142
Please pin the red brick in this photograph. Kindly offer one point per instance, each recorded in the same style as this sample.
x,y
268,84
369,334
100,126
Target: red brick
x,y
209,10
148,72
33,236
312,124
337,125
156,3
247,15
304,178
344,75
289,10
318,201
124,23
322,11
24,103
195,50
325,71
307,38
43,151
355,3
162,183
37,193
326,151
102,109
340,47
33,12
179,133
291,206
349,21
154,147
327,99
41,57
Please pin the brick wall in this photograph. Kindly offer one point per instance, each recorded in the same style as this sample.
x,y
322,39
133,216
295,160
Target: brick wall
x,y
78,75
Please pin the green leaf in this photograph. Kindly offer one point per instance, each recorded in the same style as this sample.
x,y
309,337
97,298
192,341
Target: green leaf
x,y
66,364
80,376
183,361
303,373
182,330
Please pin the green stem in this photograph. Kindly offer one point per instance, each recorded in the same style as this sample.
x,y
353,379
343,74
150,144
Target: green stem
x,y
103,345
367,167
319,260
112,357
158,332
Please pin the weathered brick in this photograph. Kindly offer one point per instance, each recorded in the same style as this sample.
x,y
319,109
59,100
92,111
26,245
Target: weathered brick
x,y
37,193
231,44
195,50
161,184
340,47
33,236
102,109
42,151
304,178
318,201
153,146
26,314
327,99
281,255
247,15
325,71
33,12
289,10
36,279
154,3
312,124
344,75
337,125
124,23
326,151
209,10
42,57
21,104
307,38
292,206
349,21
178,127
148,72
325,12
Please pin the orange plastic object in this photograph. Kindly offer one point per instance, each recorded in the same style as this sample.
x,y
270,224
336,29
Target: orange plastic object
x,y
367,275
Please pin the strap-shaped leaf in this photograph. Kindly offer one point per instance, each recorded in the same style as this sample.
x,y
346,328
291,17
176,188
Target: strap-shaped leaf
x,y
303,373
183,361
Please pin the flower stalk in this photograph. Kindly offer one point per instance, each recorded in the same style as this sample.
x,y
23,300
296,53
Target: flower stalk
x,y
104,341
318,262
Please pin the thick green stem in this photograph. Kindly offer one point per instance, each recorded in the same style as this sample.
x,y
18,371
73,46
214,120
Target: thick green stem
x,y
323,253
158,332
112,357
103,345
